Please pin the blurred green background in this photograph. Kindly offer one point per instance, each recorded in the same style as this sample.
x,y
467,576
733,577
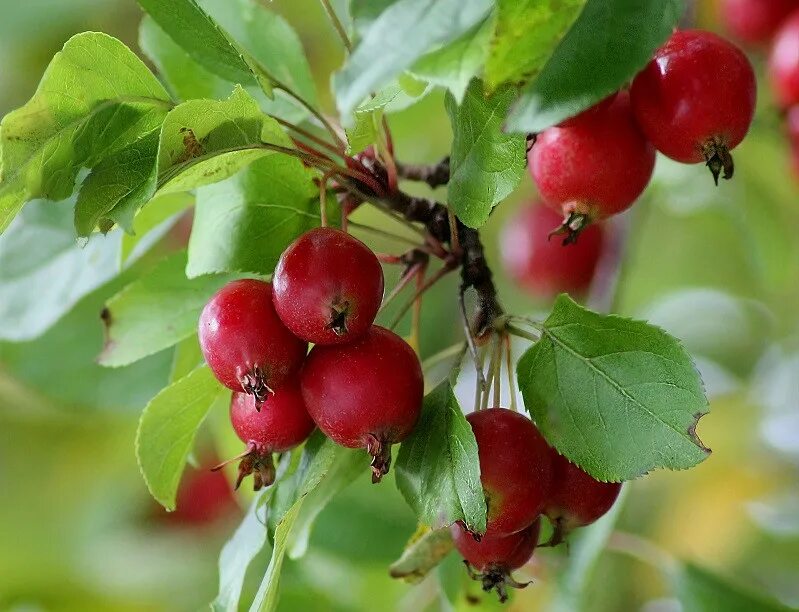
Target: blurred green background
x,y
718,267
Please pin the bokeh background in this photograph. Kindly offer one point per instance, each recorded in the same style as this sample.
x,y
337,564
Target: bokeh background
x,y
718,267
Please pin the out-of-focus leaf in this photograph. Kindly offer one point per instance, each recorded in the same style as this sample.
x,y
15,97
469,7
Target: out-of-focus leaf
x,y
486,164
155,312
387,37
525,36
95,98
700,590
605,48
617,397
438,471
68,270
152,223
243,224
239,551
167,429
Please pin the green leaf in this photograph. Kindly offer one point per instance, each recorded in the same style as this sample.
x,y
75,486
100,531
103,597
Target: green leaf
x,y
188,355
243,224
125,180
617,397
486,164
155,312
526,34
200,37
205,141
152,222
699,590
186,79
67,270
438,471
95,98
321,460
239,551
454,65
605,48
432,22
167,429
423,553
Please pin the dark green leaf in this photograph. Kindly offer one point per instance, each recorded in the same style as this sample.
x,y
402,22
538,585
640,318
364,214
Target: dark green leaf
x,y
95,98
191,28
699,590
617,397
432,22
243,224
186,78
68,270
486,164
437,469
167,428
424,552
454,65
526,34
126,179
608,44
155,312
239,551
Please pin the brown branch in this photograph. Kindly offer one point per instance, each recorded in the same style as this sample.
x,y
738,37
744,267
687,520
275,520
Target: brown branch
x,y
434,175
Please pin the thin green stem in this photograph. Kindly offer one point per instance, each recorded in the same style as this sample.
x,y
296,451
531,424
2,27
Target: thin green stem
x,y
448,353
385,234
522,333
306,134
342,33
467,332
510,373
641,549
440,273
498,372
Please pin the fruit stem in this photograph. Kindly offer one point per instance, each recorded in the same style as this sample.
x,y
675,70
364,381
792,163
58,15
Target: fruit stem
x,y
306,134
440,273
510,373
522,333
498,372
478,364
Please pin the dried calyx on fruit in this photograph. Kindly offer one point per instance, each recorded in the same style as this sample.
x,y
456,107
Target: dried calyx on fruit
x,y
491,559
327,287
695,100
593,166
365,394
282,424
244,342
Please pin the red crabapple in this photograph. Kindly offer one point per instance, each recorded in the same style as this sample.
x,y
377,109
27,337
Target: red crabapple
x,y
365,394
545,267
755,21
244,342
695,100
327,287
515,468
577,499
282,424
783,63
594,167
493,558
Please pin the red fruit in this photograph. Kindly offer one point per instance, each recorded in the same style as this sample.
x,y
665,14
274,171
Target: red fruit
x,y
203,498
783,63
282,424
577,499
327,287
598,108
695,100
543,266
593,168
244,342
366,394
755,21
515,468
494,557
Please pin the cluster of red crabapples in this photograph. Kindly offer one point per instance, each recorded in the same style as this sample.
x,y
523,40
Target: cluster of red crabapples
x,y
693,102
523,478
360,384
